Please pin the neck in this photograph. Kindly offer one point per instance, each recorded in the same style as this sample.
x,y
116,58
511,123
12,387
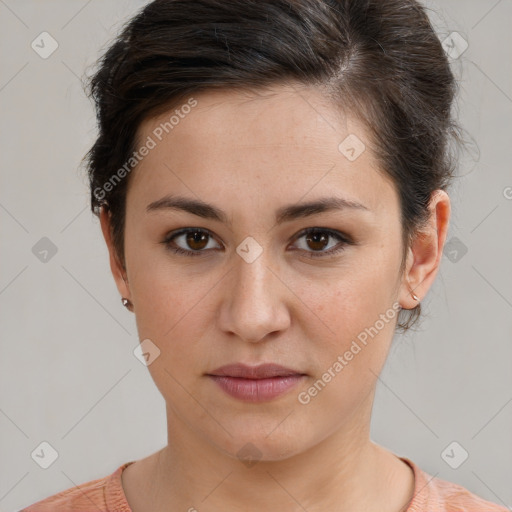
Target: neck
x,y
344,472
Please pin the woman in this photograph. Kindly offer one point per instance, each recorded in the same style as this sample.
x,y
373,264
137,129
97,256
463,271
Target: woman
x,y
270,179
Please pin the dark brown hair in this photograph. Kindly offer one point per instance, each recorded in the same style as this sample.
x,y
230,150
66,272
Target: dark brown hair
x,y
380,60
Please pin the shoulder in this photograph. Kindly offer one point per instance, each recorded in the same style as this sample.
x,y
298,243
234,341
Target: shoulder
x,y
437,495
456,497
102,495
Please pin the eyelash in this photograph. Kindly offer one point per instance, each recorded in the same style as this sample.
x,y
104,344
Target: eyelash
x,y
344,240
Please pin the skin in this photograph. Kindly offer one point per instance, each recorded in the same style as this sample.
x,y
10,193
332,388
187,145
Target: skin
x,y
250,154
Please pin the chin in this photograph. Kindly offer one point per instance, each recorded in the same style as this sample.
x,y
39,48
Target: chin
x,y
251,444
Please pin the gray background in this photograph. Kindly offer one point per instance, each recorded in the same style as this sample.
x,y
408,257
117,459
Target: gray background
x,y
68,375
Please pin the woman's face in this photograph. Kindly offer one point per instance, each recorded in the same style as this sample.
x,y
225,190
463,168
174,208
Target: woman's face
x,y
258,289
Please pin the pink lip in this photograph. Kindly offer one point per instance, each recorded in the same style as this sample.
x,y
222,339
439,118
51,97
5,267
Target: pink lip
x,y
255,383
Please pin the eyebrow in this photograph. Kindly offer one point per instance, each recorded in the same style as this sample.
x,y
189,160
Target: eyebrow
x,y
284,214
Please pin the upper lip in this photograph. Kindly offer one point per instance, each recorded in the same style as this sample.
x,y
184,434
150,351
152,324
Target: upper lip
x,y
262,371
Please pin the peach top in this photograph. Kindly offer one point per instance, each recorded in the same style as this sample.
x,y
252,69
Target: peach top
x,y
106,495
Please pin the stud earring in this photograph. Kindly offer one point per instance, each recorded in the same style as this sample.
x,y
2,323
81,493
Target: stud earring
x,y
126,303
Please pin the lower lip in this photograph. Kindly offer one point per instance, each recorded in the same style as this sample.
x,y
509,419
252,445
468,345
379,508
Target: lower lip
x,y
256,390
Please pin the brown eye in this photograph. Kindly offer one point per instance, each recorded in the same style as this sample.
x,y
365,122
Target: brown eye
x,y
316,240
197,240
192,242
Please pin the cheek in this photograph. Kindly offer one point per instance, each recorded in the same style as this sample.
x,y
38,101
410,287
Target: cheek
x,y
172,310
353,313
174,320
349,355
162,288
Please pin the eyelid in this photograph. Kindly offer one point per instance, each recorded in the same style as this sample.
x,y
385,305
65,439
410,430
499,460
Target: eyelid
x,y
343,239
332,232
169,238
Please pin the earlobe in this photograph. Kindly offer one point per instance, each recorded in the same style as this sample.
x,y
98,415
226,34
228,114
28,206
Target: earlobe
x,y
127,303
425,254
408,298
117,269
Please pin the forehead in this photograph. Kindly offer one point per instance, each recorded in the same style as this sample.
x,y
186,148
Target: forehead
x,y
286,138
251,117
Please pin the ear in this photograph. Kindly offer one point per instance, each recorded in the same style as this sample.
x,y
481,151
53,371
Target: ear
x,y
424,257
116,267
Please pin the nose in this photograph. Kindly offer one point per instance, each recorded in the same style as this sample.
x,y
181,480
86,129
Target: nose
x,y
254,301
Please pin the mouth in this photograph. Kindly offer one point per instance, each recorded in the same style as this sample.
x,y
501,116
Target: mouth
x,y
262,371
256,383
